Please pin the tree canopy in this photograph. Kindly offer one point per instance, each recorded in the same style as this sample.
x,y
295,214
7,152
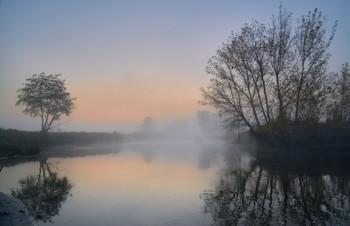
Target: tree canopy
x,y
273,73
46,96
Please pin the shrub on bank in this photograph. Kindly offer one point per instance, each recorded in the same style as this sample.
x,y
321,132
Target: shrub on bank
x,y
31,150
7,149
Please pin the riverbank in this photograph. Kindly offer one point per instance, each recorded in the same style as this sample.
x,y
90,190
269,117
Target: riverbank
x,y
13,212
28,143
12,150
315,136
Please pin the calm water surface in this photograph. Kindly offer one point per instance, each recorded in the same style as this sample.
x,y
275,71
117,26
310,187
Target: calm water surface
x,y
180,184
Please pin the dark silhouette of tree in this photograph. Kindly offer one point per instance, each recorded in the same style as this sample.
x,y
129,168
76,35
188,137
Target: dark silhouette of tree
x,y
44,194
148,125
311,44
273,73
339,109
45,96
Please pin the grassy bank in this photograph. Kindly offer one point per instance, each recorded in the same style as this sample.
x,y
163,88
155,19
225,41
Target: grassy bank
x,y
23,138
7,149
15,142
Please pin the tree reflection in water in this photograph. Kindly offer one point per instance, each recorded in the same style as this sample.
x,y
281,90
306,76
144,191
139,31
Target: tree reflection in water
x,y
43,194
277,188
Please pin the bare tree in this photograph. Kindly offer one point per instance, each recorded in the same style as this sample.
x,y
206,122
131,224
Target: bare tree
x,y
237,89
265,74
280,52
339,108
311,44
45,96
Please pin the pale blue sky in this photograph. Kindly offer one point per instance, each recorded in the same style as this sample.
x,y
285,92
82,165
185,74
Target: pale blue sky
x,y
112,53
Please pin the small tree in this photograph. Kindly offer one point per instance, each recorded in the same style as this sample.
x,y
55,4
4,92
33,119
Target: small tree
x,y
148,125
45,96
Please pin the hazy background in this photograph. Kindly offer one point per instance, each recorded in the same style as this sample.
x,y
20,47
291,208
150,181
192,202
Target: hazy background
x,y
127,60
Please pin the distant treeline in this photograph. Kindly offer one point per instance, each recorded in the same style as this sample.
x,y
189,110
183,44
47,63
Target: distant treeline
x,y
14,142
17,142
25,138
18,137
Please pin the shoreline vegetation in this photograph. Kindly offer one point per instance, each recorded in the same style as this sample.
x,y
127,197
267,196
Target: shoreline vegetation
x,y
305,135
22,143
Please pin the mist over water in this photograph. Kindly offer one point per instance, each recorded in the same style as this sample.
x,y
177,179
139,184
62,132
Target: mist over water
x,y
179,182
126,184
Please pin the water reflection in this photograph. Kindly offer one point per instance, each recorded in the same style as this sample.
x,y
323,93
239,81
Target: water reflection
x,y
207,157
43,194
278,187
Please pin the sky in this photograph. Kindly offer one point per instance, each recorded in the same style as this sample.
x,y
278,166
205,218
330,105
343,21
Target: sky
x,y
127,60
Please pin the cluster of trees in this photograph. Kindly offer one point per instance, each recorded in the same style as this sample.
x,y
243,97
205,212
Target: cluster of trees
x,y
277,74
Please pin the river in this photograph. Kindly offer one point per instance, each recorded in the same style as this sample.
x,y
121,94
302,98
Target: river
x,y
216,183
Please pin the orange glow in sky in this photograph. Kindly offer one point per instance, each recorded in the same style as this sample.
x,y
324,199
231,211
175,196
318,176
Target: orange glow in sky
x,y
117,100
128,60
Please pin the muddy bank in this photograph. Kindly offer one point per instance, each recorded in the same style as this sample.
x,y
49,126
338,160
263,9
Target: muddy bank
x,y
13,212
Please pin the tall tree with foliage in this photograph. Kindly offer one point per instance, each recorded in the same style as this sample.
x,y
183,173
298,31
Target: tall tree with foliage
x,y
274,73
46,96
